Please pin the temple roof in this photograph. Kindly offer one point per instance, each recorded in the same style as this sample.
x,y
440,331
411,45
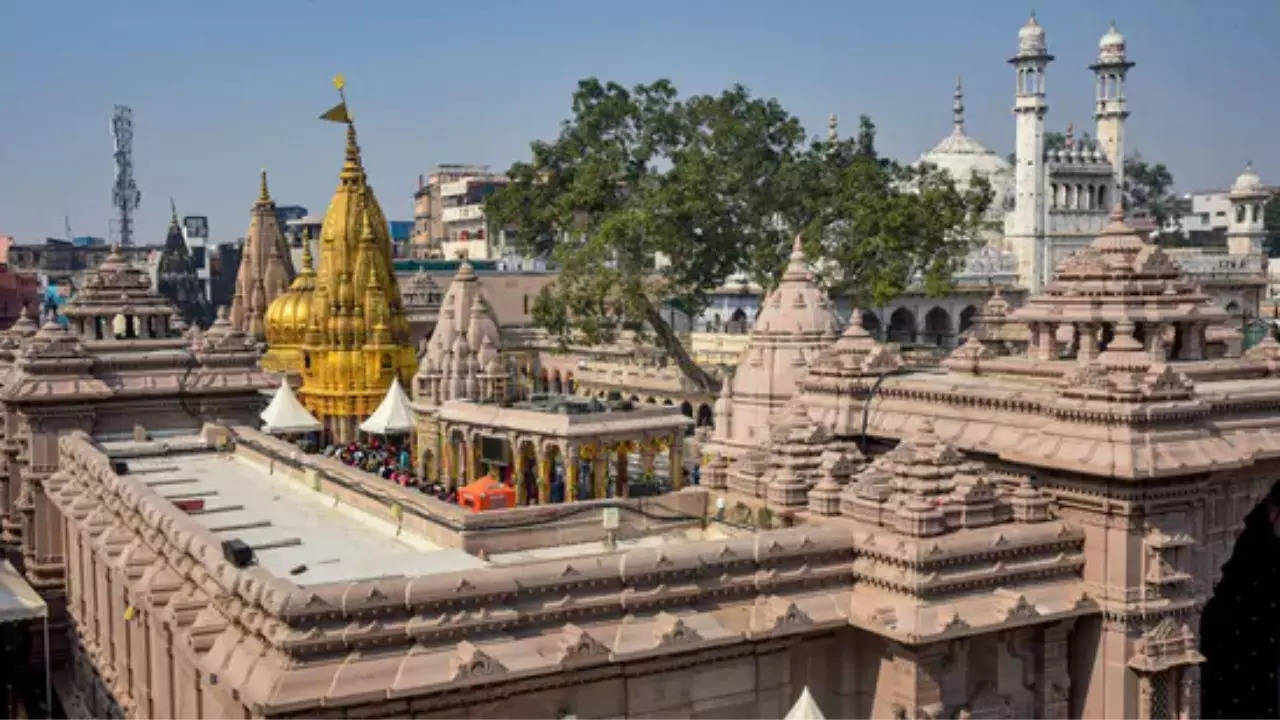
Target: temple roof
x,y
1119,276
117,287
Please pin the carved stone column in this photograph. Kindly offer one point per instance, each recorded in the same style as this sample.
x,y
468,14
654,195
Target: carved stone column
x,y
1055,688
571,467
677,461
544,476
600,471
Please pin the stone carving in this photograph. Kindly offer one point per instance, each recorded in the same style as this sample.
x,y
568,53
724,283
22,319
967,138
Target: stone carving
x,y
471,663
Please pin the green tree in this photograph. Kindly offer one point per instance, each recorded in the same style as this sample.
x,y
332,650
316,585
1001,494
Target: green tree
x,y
716,184
1149,187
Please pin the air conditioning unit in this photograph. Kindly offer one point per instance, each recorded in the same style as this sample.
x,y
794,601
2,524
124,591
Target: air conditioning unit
x,y
237,552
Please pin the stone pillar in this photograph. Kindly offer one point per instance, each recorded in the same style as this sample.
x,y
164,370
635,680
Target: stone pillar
x,y
677,461
571,460
544,477
620,488
1087,351
600,472
517,476
1055,686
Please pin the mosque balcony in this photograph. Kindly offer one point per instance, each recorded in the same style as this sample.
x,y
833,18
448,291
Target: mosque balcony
x,y
1205,266
462,212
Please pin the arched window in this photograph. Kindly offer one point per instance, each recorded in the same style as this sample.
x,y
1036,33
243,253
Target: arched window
x,y
1257,212
1053,195
1080,201
966,317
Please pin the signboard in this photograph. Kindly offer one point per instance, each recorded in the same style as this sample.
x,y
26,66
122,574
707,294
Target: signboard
x,y
611,518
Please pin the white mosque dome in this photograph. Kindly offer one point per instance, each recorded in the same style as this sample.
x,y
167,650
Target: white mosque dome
x,y
1031,37
964,157
1248,181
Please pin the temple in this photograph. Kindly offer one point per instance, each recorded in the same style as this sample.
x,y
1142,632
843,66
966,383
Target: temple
x,y
177,280
119,369
344,331
265,268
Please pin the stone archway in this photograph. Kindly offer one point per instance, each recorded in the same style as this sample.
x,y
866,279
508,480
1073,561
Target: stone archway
x,y
871,323
966,318
1239,632
705,417
902,326
937,327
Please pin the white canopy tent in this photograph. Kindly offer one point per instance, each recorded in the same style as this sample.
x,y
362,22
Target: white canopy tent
x,y
286,415
393,415
806,708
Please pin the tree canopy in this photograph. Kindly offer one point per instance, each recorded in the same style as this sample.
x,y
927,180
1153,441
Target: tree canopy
x,y
716,185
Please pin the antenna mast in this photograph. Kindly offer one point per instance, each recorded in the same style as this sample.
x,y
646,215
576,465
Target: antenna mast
x,y
124,193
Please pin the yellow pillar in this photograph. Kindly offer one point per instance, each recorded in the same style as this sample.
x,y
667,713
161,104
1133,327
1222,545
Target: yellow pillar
x,y
517,476
544,478
620,490
571,473
677,462
600,469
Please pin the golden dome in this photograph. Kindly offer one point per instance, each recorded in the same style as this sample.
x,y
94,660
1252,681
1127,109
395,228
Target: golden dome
x,y
288,315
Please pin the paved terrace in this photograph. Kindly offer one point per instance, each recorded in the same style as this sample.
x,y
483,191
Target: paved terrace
x,y
288,525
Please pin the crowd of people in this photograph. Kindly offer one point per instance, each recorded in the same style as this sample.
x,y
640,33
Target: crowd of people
x,y
389,460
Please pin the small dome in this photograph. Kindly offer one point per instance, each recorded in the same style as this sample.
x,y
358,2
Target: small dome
x,y
1031,37
1248,181
1112,41
290,313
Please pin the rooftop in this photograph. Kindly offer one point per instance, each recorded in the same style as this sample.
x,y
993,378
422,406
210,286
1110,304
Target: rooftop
x,y
288,524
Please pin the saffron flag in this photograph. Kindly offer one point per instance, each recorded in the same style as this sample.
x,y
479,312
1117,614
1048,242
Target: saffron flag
x,y
337,113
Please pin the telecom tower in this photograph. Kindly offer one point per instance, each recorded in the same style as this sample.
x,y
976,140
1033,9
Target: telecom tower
x,y
124,193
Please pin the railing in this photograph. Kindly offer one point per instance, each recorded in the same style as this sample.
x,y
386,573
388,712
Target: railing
x,y
1221,265
462,212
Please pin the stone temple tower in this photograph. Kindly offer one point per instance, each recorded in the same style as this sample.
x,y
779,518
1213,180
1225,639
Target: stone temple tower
x,y
1025,229
1111,111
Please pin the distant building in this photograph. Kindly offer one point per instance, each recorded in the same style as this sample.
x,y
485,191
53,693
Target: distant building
x,y
177,278
64,262
448,213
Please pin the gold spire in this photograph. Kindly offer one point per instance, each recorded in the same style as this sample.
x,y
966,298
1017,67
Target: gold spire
x,y
355,336
263,195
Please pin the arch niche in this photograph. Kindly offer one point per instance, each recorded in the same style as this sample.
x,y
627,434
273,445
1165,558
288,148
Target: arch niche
x,y
937,327
902,326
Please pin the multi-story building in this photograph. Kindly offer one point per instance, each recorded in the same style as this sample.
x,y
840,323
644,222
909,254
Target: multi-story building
x,y
448,213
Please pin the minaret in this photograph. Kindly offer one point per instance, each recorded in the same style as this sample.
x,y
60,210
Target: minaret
x,y
957,109
1110,71
1246,229
1025,231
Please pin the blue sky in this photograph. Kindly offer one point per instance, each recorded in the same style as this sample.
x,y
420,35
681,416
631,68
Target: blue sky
x,y
221,89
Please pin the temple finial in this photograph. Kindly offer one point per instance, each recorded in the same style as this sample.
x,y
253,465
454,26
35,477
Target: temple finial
x,y
173,212
1070,138
957,108
263,195
832,122
307,266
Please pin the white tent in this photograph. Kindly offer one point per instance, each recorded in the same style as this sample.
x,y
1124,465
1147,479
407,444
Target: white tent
x,y
393,414
805,708
286,415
